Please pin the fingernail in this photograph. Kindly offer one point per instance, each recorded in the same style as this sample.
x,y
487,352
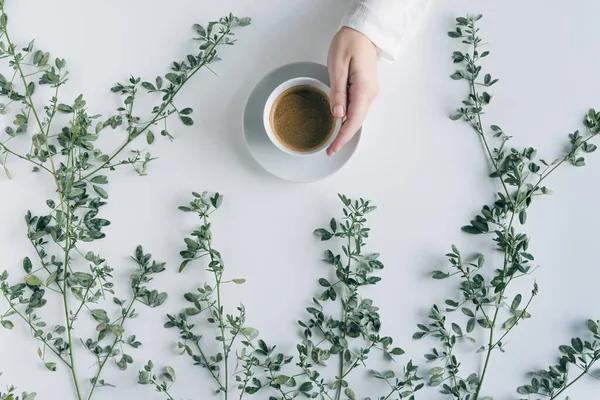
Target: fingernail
x,y
338,111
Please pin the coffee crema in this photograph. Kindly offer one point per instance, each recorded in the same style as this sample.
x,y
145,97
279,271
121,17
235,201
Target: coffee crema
x,y
301,118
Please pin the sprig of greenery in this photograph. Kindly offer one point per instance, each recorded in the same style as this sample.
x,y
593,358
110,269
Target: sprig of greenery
x,y
350,339
10,394
63,146
341,343
161,383
484,298
110,338
581,354
207,302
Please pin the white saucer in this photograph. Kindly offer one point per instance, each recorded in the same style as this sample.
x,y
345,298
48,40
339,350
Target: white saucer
x,y
309,168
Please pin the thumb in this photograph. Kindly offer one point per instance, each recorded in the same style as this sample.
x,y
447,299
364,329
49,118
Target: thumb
x,y
338,76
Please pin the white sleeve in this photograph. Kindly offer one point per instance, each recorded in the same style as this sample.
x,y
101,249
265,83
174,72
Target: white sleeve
x,y
387,23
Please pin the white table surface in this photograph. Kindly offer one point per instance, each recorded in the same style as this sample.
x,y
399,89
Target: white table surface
x,y
426,173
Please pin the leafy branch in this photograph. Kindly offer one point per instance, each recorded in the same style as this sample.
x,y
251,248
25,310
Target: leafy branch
x,y
207,302
484,296
341,343
63,147
10,394
581,355
161,383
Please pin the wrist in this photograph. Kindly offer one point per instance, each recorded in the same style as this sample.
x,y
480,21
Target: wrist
x,y
354,33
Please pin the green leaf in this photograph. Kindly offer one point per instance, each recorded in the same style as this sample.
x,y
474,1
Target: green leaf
x,y
101,192
244,21
516,302
60,63
467,312
191,311
186,111
148,86
144,378
186,120
419,335
527,389
527,256
150,137
483,322
281,379
397,351
33,280
76,192
7,324
577,344
27,265
440,275
216,200
471,229
456,328
523,217
323,234
350,394
173,78
593,326
200,30
51,278
470,325
100,315
306,387
509,323
65,108
324,282
238,281
117,330
99,179
250,333
333,225
51,366
171,372
451,303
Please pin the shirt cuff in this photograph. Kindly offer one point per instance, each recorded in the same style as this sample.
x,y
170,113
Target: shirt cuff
x,y
387,23
364,20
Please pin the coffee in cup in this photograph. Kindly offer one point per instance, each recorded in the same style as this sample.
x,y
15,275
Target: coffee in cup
x,y
298,117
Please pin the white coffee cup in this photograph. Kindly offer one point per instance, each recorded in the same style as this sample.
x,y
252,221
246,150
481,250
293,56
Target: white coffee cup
x,y
269,105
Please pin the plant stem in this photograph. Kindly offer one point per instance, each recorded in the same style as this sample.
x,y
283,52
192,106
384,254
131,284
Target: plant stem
x,y
112,347
515,324
157,116
160,389
44,265
479,128
585,371
356,362
3,146
31,106
30,103
40,338
225,386
499,298
207,366
338,394
454,380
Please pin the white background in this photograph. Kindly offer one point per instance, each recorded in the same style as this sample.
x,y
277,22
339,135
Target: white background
x,y
426,173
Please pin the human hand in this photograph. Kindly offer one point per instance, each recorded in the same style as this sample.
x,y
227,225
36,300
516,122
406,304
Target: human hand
x,y
352,65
